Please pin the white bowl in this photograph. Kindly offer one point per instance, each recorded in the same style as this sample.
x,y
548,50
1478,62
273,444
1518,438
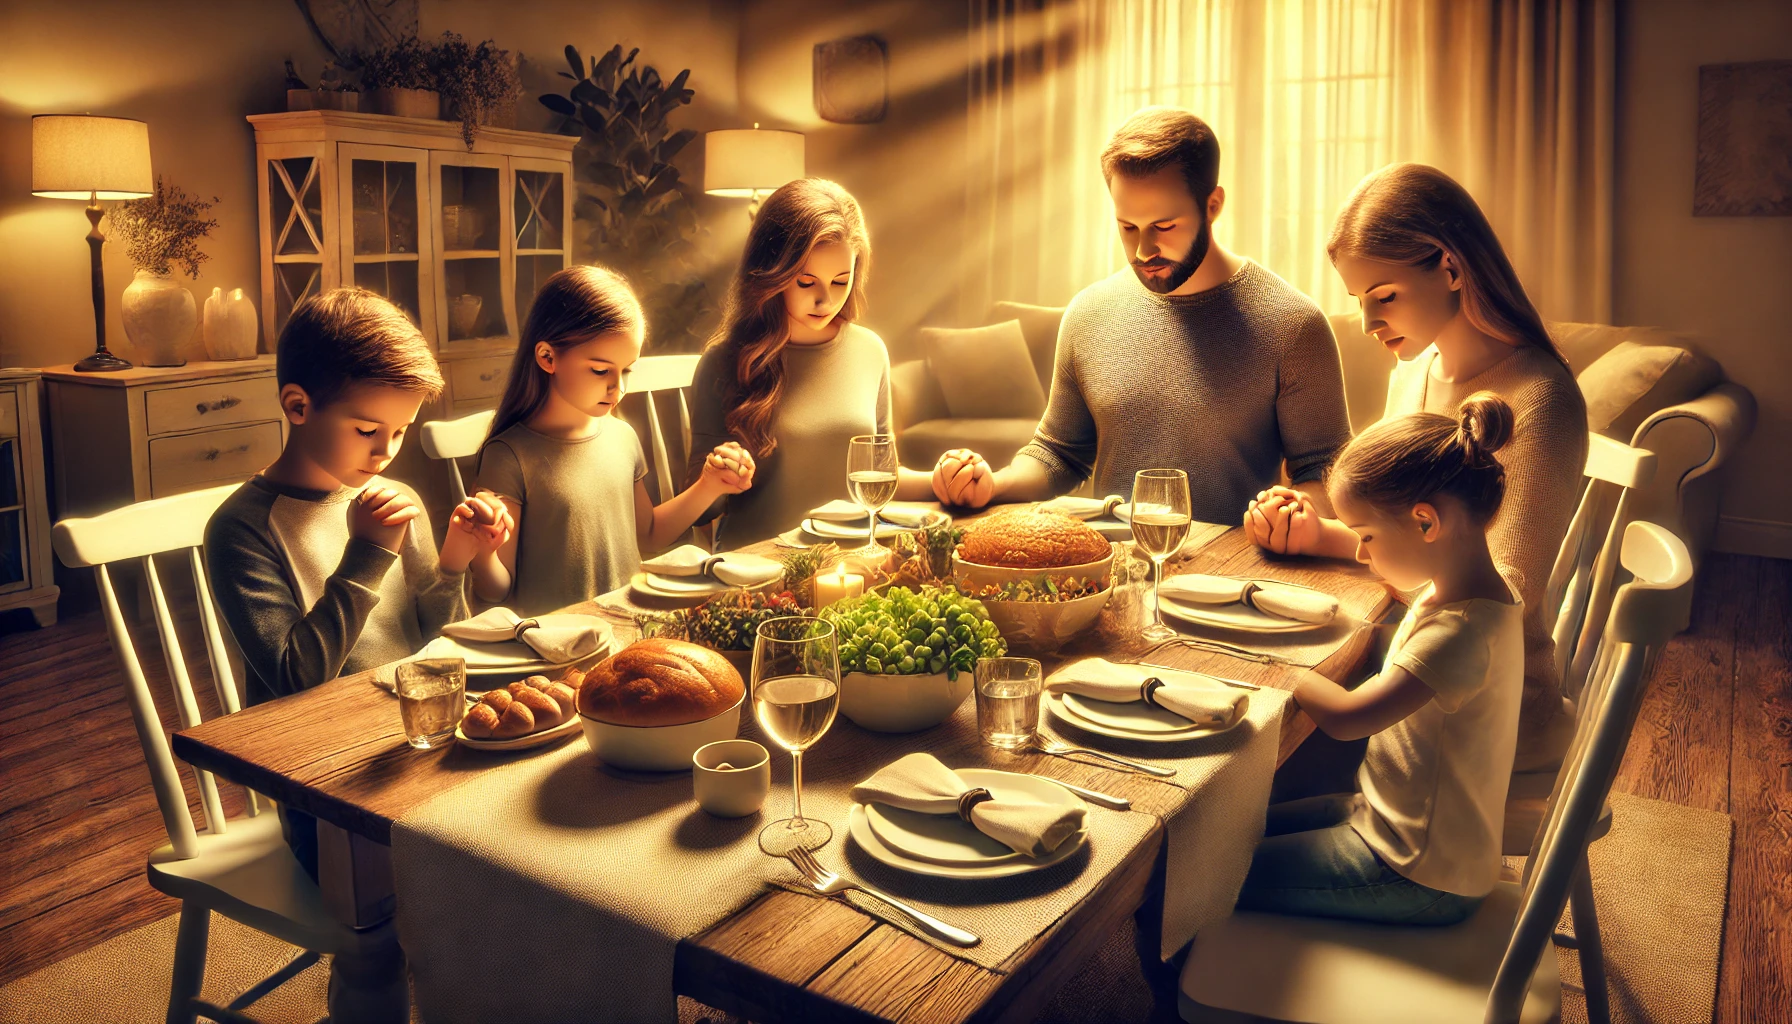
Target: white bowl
x,y
971,575
896,703
1041,627
657,748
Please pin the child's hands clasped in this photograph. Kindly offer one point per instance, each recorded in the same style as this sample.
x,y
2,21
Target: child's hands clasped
x,y
962,477
1282,520
477,528
729,467
379,515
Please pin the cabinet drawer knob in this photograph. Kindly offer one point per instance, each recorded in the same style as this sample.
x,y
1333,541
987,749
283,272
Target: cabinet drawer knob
x,y
489,376
214,454
227,402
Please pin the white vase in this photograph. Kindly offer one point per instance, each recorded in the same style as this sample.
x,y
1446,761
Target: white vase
x,y
159,318
230,325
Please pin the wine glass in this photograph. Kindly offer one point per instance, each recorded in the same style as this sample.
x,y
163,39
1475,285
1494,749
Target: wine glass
x,y
871,480
1160,523
796,690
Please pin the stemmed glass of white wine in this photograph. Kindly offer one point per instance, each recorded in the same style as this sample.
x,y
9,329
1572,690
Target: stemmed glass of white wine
x,y
796,691
871,480
1160,523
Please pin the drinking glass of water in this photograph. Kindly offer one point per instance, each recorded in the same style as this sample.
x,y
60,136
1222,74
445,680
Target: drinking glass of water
x,y
432,697
1008,701
1160,523
871,481
796,691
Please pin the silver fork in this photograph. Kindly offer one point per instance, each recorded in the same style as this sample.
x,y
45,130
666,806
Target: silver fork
x,y
1047,745
828,884
1230,650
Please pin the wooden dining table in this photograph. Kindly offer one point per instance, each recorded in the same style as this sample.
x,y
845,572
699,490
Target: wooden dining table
x,y
338,751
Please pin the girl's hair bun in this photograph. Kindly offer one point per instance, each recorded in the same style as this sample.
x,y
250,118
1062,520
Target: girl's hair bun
x,y
1483,426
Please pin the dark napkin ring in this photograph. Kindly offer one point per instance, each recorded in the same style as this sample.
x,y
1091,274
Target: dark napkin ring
x,y
516,631
971,798
1148,690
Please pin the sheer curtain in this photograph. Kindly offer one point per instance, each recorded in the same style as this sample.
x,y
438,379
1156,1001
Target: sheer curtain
x,y
1513,97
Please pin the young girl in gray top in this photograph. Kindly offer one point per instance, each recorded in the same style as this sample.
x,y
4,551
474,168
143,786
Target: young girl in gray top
x,y
792,375
570,472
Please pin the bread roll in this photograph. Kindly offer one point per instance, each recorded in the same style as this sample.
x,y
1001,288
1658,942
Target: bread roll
x,y
517,720
481,721
565,696
1032,538
543,708
497,700
660,681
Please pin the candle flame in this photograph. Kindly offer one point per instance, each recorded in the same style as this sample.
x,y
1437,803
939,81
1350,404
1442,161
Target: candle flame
x,y
842,573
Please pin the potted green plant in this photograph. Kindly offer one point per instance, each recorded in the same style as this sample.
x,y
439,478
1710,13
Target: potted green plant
x,y
906,656
630,210
479,84
160,232
400,79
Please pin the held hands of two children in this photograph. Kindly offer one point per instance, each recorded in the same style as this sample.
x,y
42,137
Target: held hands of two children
x,y
729,467
379,515
962,477
1282,520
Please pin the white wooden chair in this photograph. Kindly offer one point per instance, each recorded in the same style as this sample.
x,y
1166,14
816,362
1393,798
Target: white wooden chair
x,y
455,439
1493,967
242,869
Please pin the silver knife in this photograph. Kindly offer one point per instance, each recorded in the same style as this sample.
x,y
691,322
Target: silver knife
x,y
1118,803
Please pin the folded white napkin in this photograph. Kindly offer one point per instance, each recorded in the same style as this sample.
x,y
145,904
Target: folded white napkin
x,y
1124,510
1189,694
1084,508
559,638
1288,602
919,782
842,511
736,569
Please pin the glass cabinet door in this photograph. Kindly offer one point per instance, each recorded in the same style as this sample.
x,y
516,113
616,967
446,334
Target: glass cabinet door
x,y
12,518
383,192
472,224
540,203
296,226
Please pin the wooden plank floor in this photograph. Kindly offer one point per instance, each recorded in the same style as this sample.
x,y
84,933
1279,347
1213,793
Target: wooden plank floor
x,y
77,815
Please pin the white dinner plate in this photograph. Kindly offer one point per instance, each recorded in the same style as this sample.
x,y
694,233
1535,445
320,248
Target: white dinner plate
x,y
1238,615
534,739
494,664
1132,721
683,588
946,847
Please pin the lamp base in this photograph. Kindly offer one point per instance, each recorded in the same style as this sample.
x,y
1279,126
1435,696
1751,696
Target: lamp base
x,y
102,362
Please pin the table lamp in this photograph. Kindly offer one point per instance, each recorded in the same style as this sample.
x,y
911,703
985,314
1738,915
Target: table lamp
x,y
80,156
741,163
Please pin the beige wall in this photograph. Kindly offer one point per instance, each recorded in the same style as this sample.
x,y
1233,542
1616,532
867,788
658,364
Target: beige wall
x,y
1726,279
193,68
907,171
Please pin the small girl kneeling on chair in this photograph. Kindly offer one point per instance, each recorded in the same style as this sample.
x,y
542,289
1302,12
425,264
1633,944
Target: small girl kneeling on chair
x,y
1419,842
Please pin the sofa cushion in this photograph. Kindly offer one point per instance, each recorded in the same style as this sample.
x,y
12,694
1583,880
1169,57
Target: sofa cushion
x,y
1040,326
914,396
1629,383
997,440
984,372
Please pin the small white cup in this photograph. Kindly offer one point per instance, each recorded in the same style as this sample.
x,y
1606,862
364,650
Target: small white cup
x,y
737,790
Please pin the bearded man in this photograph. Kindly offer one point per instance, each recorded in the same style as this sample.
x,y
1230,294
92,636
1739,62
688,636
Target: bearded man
x,y
1191,359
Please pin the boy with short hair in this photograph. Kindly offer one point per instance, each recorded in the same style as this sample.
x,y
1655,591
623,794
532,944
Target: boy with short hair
x,y
319,565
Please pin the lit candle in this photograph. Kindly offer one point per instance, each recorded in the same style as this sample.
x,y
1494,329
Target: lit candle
x,y
838,587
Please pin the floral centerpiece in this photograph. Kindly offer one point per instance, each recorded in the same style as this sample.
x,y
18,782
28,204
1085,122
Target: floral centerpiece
x,y
160,232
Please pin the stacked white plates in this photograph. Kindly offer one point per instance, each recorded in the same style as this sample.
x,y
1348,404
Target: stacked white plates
x,y
495,664
946,846
1133,720
687,588
1238,615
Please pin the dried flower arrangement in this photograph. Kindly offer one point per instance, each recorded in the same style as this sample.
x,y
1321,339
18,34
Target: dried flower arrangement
x,y
800,567
164,229
474,80
406,64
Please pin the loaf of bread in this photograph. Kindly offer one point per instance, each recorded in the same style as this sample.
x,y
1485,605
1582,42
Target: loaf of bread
x,y
660,681
523,707
1032,538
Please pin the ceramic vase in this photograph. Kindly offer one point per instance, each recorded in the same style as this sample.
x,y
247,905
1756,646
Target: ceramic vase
x,y
159,318
230,325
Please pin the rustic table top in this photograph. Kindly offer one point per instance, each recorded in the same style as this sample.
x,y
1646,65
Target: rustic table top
x,y
338,752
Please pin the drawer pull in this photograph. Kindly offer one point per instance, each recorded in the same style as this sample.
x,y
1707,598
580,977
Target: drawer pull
x,y
214,454
489,376
227,402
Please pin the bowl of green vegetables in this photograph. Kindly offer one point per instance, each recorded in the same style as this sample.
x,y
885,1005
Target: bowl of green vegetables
x,y
907,656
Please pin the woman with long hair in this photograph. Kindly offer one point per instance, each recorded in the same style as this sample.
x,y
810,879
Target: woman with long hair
x,y
567,469
1436,288
792,375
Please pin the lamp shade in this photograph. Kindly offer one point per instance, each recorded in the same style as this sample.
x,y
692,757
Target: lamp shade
x,y
75,156
738,162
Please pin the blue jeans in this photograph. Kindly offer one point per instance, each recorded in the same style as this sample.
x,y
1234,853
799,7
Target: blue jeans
x,y
1312,863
